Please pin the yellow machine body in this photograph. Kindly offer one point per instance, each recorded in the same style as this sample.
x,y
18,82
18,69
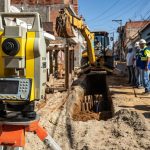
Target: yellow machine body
x,y
27,66
30,66
26,51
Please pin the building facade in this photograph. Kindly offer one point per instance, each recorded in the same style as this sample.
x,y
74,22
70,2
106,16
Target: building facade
x,y
48,9
131,31
145,34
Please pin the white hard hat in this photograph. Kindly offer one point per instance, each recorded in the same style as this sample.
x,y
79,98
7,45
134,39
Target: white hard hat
x,y
142,41
136,44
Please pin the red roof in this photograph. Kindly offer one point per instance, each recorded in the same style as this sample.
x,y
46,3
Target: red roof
x,y
132,28
136,24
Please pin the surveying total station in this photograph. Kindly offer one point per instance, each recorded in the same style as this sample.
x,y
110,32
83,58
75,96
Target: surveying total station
x,y
22,79
22,64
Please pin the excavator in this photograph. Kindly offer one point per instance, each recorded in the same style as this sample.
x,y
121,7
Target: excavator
x,y
94,63
95,57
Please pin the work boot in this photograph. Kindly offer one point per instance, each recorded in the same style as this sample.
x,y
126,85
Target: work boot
x,y
146,93
140,87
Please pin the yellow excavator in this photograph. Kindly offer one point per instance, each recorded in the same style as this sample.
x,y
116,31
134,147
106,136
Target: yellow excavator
x,y
95,57
95,60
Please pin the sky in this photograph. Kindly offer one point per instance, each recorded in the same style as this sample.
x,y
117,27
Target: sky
x,y
98,14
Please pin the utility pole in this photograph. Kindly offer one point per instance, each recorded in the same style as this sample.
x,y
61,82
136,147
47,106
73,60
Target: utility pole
x,y
112,39
121,40
113,42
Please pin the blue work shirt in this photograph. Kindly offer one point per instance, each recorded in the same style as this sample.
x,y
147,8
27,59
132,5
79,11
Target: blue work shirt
x,y
144,54
138,58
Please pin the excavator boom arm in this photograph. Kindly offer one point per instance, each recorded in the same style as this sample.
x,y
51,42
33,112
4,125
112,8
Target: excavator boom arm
x,y
68,20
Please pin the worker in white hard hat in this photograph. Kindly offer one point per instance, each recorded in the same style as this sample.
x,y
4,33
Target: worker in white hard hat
x,y
145,65
139,83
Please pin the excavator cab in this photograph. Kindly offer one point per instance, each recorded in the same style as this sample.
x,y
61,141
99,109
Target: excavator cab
x,y
102,52
101,43
103,55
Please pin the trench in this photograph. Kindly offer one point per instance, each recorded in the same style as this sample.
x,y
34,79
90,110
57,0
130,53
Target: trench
x,y
96,102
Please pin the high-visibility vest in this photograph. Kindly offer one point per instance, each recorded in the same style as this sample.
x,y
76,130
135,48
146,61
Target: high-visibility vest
x,y
144,54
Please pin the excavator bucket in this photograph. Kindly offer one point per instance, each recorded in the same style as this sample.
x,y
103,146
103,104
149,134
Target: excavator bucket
x,y
63,26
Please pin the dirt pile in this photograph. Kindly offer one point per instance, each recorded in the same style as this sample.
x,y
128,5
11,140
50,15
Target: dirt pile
x,y
126,130
131,118
131,130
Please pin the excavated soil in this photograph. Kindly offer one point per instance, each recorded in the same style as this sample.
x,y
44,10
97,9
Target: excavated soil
x,y
126,130
85,116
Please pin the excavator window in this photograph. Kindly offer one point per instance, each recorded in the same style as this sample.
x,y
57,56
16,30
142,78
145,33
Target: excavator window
x,y
101,43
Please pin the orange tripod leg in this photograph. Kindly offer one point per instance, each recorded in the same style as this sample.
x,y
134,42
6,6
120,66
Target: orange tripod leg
x,y
43,135
35,127
12,135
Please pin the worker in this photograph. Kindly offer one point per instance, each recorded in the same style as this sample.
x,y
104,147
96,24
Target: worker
x,y
145,65
97,46
61,62
139,83
130,62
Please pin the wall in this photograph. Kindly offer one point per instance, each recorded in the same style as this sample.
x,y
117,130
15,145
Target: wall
x,y
47,2
145,34
4,5
47,8
43,10
32,2
132,28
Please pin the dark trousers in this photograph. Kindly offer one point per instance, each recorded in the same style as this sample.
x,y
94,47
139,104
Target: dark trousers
x,y
131,72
